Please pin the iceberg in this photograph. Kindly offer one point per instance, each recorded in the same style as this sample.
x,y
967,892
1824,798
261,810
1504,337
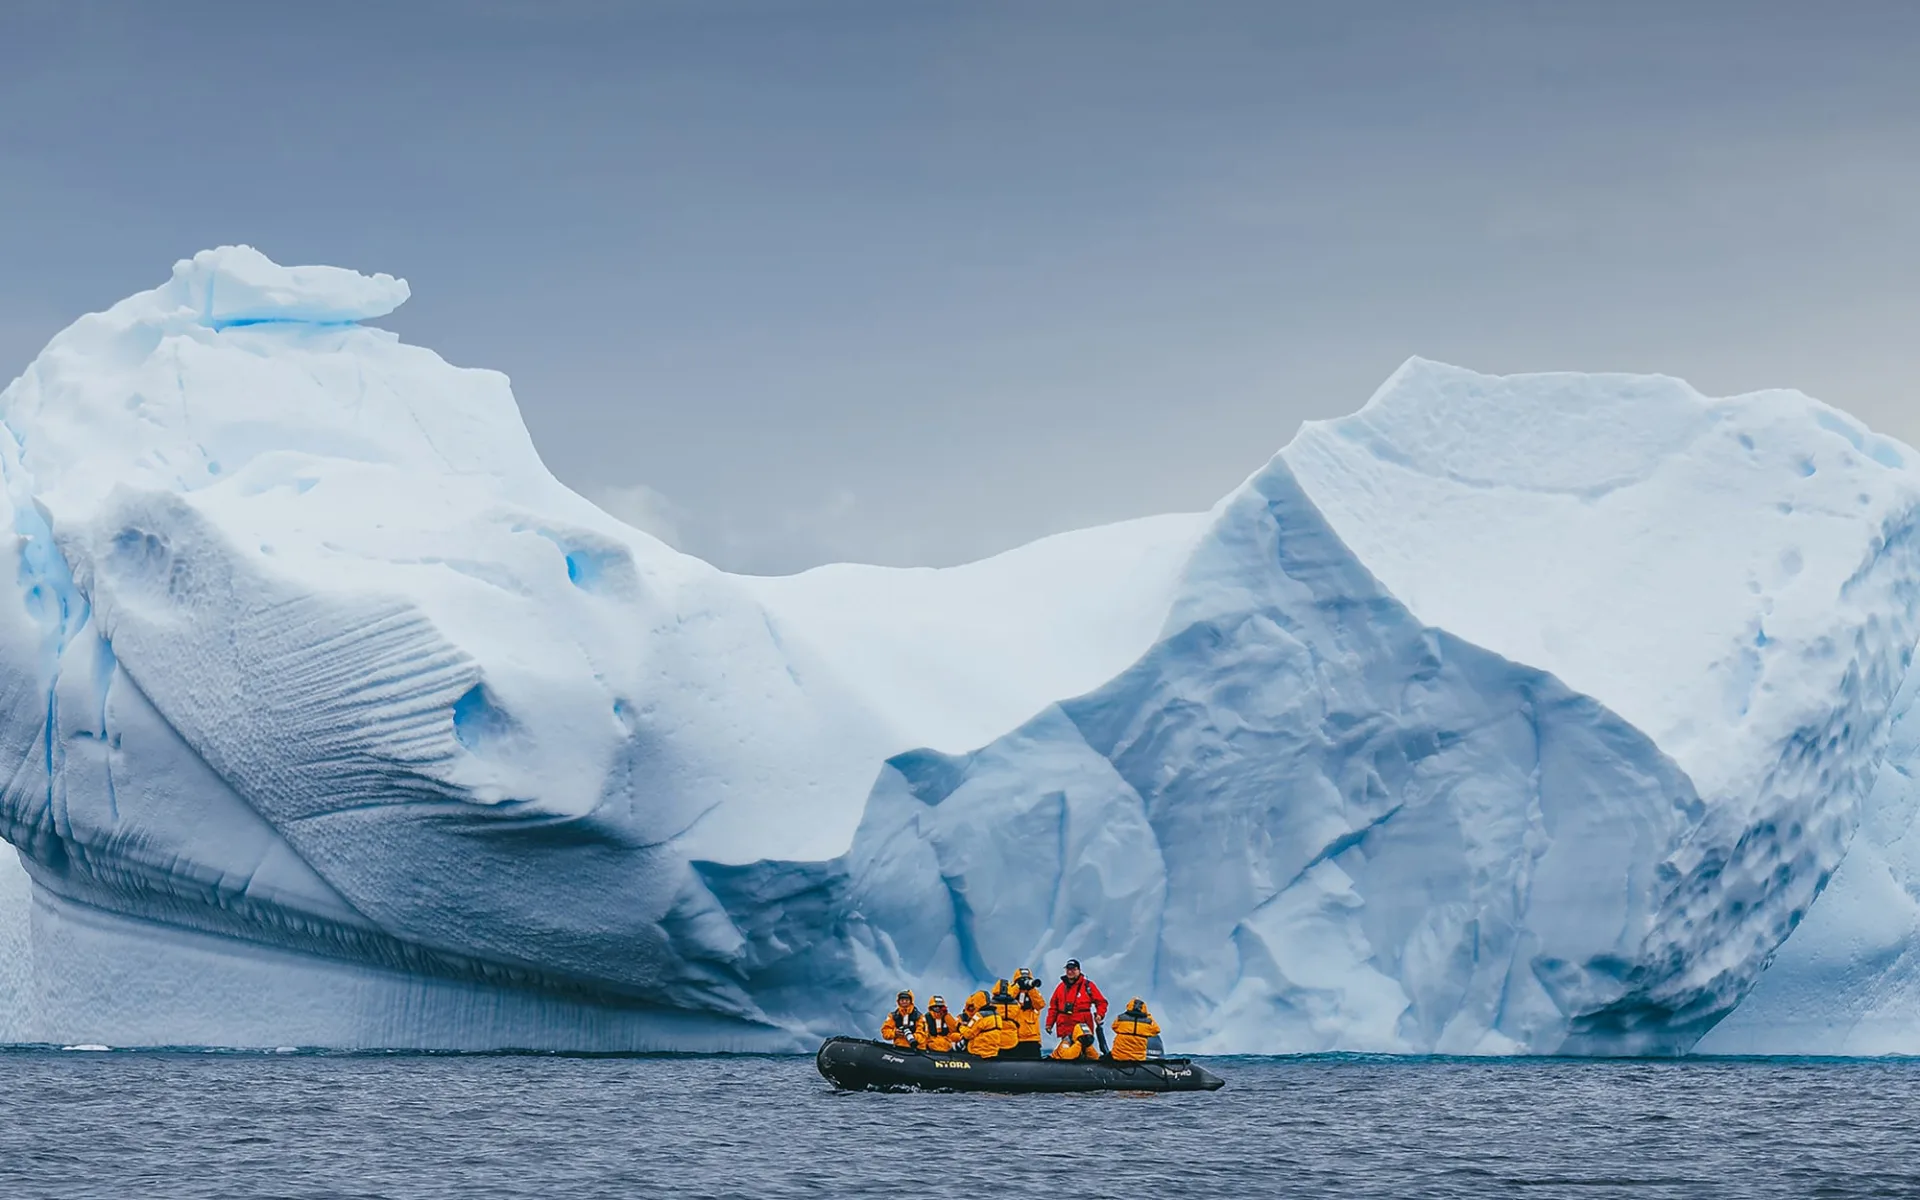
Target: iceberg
x,y
319,683
1472,729
1508,715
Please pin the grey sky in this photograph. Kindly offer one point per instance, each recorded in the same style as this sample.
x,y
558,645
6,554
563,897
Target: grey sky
x,y
913,282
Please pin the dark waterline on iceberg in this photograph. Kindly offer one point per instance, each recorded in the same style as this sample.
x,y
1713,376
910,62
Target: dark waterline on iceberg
x,y
205,1124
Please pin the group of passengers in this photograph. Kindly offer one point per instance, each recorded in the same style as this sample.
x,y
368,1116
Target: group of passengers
x,y
1007,1022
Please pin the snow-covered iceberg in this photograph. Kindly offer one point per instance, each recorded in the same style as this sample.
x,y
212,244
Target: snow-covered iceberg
x,y
1474,727
1525,714
313,655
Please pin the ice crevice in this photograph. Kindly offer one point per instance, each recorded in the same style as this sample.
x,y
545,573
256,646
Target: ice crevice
x,y
1334,849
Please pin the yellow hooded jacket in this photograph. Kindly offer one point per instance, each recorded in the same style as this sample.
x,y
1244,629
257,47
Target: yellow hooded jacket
x,y
1028,1012
1131,1031
983,1029
902,1026
1080,1045
940,1028
1008,1006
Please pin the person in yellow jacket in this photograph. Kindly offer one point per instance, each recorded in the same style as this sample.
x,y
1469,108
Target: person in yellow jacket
x,y
983,1028
968,1011
1007,1005
903,1026
1080,1045
1027,1014
1131,1029
941,1029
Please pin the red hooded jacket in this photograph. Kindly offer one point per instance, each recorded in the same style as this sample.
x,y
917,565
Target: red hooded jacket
x,y
1075,1004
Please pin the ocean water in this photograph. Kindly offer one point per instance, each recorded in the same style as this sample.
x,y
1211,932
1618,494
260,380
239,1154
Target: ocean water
x,y
80,1124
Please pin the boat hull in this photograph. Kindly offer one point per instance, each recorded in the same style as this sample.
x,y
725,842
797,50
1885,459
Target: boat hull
x,y
856,1064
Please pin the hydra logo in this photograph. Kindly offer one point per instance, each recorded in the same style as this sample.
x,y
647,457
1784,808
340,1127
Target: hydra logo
x,y
958,1066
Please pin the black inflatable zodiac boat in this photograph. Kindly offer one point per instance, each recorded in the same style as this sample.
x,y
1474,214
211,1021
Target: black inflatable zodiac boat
x,y
855,1064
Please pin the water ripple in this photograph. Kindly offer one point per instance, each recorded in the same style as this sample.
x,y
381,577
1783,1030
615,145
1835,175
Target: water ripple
x,y
385,1127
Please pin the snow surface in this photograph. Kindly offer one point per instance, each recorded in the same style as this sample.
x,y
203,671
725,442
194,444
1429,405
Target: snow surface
x,y
955,657
1579,522
1523,714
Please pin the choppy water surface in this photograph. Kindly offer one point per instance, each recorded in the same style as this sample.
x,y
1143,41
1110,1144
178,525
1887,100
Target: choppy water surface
x,y
192,1125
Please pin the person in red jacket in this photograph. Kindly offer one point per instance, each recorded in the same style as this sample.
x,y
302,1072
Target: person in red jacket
x,y
1076,1001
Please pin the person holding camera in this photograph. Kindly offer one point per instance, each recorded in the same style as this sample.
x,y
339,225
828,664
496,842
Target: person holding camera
x,y
903,1026
1026,1014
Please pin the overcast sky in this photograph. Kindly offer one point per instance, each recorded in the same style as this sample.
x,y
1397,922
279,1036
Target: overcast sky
x,y
913,282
